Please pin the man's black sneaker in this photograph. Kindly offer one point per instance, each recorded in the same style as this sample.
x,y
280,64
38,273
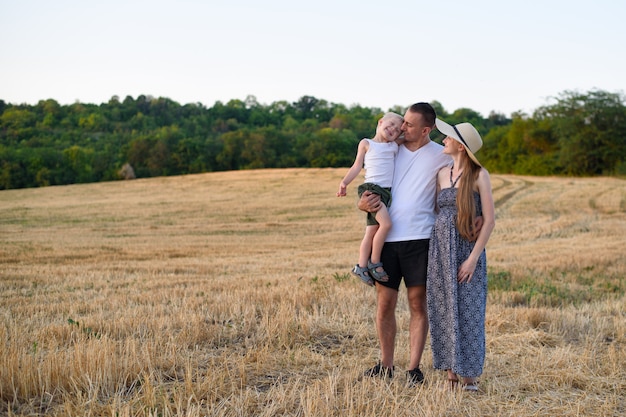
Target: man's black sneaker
x,y
414,377
379,371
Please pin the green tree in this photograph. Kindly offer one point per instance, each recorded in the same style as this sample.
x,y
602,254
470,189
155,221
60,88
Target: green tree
x,y
332,148
138,154
78,162
590,130
526,147
230,156
50,144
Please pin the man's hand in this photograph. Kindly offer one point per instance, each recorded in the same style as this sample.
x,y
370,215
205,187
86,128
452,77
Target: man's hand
x,y
369,202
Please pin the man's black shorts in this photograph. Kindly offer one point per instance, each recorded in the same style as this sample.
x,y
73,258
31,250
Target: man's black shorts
x,y
406,260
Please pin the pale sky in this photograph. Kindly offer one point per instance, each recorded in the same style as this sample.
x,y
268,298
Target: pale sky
x,y
487,55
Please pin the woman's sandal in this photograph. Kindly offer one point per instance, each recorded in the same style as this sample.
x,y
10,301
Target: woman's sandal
x,y
454,383
470,387
377,275
362,273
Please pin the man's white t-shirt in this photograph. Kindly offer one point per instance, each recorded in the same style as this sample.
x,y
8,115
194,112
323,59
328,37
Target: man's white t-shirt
x,y
412,209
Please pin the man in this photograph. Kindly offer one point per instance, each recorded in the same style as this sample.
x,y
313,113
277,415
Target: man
x,y
405,253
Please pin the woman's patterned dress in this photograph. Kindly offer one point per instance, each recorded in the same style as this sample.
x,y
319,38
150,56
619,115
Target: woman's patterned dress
x,y
456,312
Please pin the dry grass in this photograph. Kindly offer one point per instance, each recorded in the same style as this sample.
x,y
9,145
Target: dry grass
x,y
229,294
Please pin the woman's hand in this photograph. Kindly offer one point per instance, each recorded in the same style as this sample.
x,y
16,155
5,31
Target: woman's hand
x,y
466,270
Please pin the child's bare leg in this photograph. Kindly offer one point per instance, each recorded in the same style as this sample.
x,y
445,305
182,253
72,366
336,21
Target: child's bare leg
x,y
362,269
376,268
365,249
378,241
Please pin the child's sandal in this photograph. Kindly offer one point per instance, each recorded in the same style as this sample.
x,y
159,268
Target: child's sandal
x,y
362,273
380,276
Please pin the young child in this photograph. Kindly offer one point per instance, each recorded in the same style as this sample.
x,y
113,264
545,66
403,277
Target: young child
x,y
378,156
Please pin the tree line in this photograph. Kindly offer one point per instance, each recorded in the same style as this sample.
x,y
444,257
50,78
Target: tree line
x,y
52,144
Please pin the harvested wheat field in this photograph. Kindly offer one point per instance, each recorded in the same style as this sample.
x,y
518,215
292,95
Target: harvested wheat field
x,y
229,294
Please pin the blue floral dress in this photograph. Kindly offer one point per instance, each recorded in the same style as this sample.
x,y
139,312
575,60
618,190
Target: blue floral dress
x,y
456,312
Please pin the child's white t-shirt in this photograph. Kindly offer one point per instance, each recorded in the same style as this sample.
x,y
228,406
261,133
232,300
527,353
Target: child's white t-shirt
x,y
379,162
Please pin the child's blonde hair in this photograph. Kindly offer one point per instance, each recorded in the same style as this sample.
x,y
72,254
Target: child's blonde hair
x,y
392,114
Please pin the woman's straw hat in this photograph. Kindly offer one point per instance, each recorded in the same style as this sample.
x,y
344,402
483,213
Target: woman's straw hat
x,y
465,134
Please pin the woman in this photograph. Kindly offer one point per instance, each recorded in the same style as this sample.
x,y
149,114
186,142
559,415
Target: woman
x,y
457,267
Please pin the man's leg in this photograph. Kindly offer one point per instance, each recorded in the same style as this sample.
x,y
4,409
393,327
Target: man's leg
x,y
387,299
418,324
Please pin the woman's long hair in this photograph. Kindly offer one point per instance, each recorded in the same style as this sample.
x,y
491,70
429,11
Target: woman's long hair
x,y
465,205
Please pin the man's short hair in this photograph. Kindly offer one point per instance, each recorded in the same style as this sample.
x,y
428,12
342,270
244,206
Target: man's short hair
x,y
427,112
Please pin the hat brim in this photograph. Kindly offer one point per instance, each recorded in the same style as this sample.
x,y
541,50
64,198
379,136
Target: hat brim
x,y
449,131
